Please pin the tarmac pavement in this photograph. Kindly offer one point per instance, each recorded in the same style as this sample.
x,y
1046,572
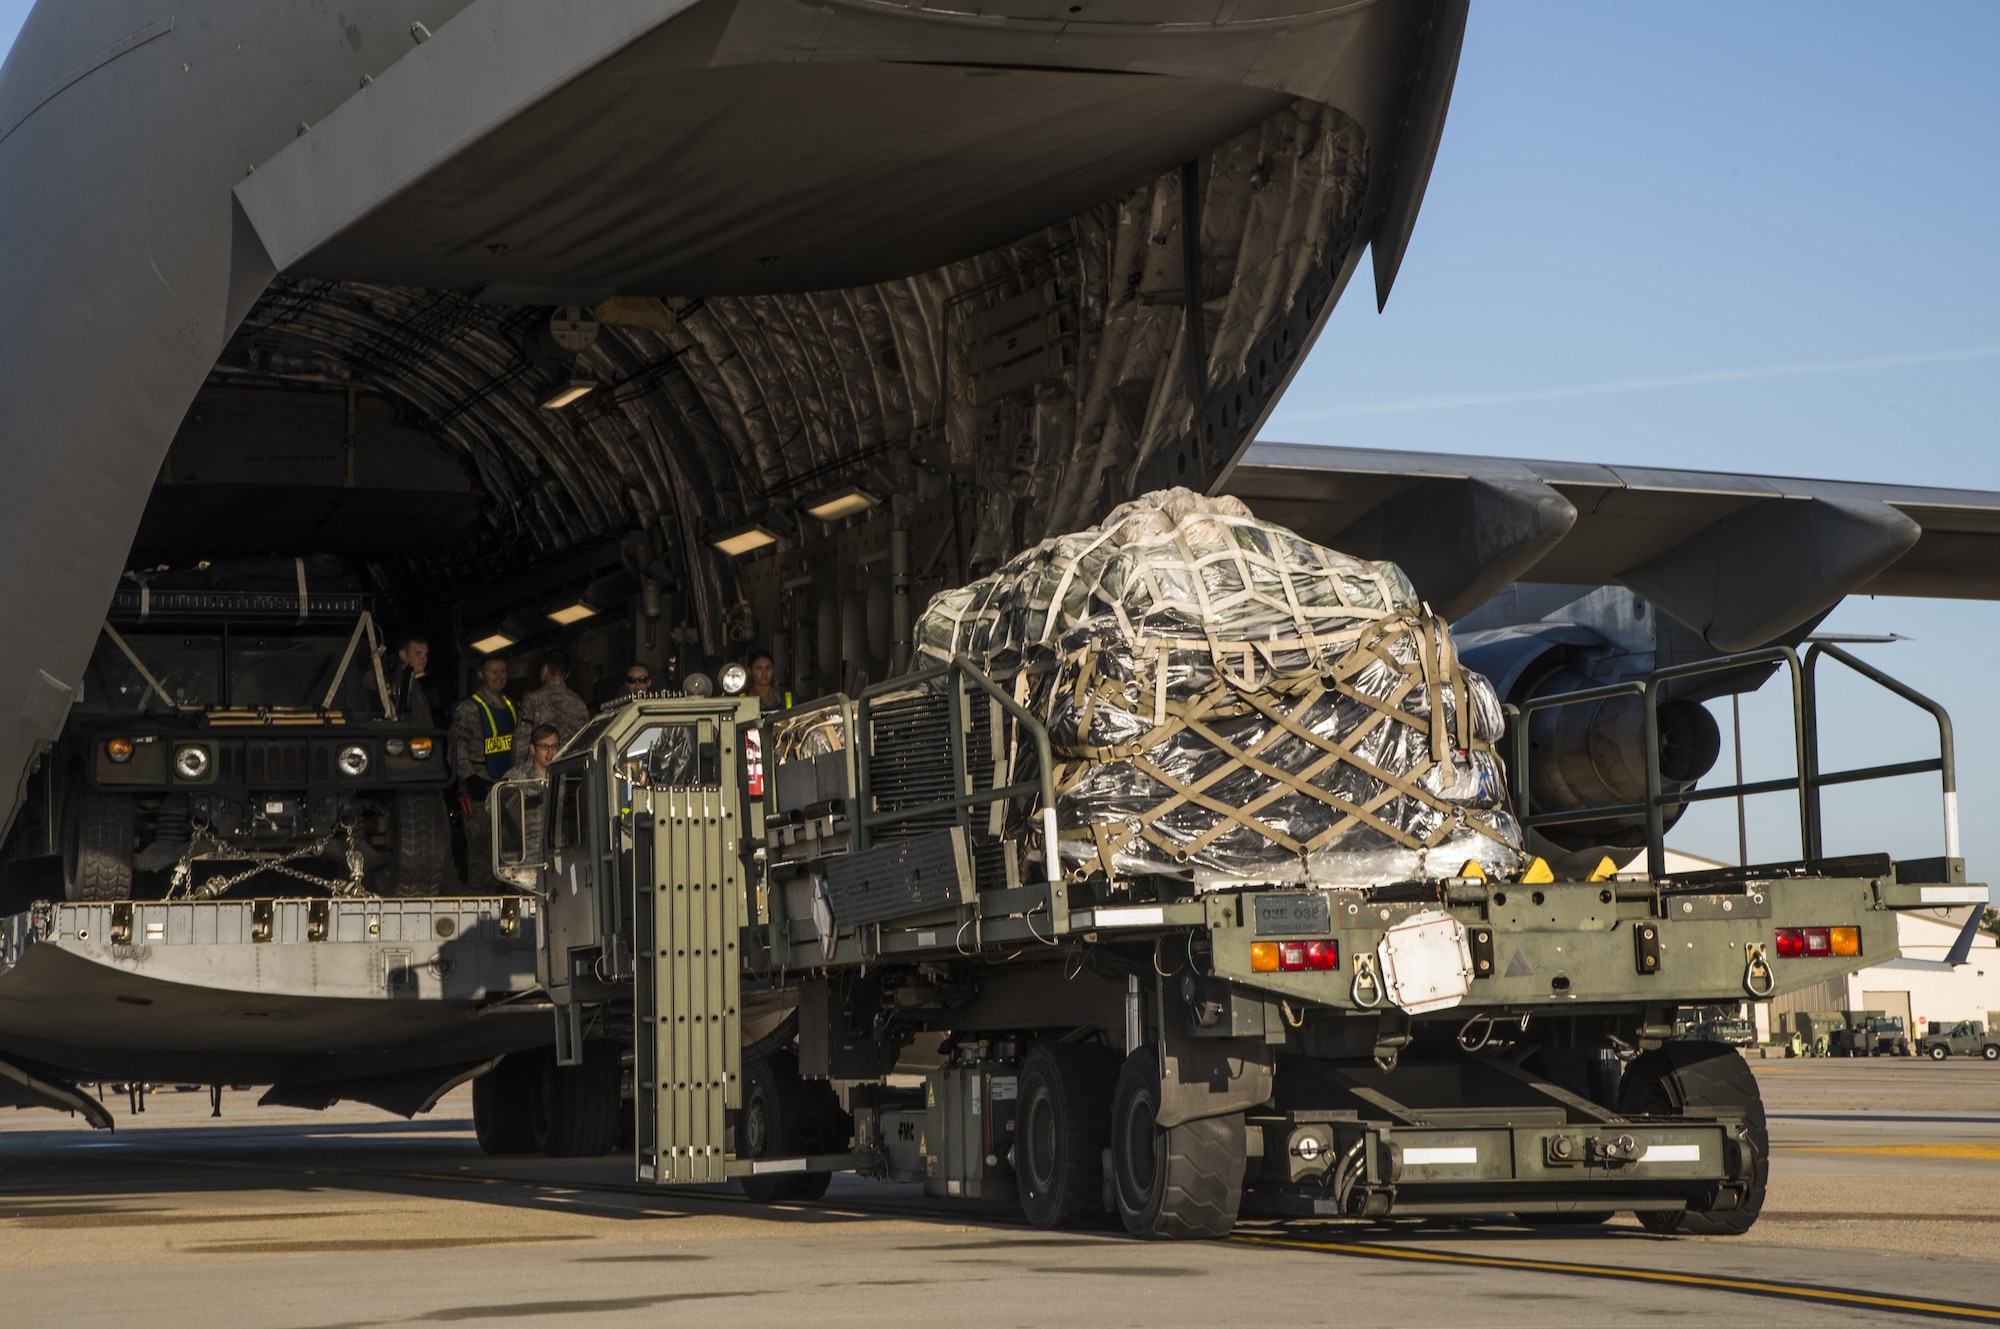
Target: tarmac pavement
x,y
1883,1206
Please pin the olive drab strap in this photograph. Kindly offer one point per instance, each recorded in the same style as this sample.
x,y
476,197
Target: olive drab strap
x,y
1416,647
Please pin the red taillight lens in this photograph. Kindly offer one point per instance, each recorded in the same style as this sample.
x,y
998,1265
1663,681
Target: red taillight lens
x,y
1291,955
1322,955
753,762
1818,943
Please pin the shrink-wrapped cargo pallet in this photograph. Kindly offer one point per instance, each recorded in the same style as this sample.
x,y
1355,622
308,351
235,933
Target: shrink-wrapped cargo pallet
x,y
1228,701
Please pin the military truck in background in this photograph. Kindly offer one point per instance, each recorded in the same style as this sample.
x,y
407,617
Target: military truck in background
x,y
1173,1053
1869,1034
1716,1024
1966,1038
232,726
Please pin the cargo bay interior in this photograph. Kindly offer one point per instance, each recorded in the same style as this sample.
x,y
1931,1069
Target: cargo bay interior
x,y
680,348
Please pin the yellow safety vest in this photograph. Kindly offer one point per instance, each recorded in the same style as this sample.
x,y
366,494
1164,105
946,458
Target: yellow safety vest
x,y
499,746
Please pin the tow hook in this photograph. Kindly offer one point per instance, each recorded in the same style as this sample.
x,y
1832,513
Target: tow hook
x,y
1602,1150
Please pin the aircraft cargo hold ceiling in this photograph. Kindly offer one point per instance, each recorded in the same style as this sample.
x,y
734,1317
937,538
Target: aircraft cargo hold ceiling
x,y
653,272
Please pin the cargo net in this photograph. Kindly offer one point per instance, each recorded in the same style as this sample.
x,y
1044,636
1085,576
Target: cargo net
x,y
1229,702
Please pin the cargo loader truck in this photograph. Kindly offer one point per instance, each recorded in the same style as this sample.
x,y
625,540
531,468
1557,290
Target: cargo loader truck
x,y
836,938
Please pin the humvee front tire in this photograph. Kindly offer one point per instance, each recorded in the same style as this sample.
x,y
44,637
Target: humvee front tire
x,y
97,849
1063,1124
1172,1181
419,843
1991,1052
1939,1052
1675,1077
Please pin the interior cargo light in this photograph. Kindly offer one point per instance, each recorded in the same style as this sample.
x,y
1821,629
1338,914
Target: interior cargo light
x,y
843,502
1263,957
491,642
572,613
577,389
744,539
1845,941
119,749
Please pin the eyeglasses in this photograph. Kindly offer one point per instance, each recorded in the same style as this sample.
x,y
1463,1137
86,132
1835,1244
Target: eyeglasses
x,y
638,678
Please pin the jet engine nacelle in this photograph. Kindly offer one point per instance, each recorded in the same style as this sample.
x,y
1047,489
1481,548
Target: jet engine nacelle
x,y
1591,754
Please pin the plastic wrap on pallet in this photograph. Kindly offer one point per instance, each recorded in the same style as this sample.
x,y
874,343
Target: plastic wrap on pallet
x,y
1228,701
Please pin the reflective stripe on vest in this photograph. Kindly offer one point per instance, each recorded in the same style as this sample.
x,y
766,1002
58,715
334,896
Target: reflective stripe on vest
x,y
499,746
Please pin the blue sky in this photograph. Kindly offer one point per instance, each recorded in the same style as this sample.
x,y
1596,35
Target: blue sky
x,y
1744,237
1747,237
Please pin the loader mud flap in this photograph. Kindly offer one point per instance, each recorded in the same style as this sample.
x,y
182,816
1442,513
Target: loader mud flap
x,y
1206,1076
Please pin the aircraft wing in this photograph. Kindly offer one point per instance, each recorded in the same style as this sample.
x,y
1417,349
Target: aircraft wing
x,y
1741,558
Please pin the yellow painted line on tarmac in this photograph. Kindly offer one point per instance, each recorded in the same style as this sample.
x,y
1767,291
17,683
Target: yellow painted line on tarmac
x,y
1988,1152
1948,1310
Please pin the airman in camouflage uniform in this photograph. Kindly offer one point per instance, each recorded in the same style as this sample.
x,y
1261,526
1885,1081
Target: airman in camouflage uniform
x,y
553,703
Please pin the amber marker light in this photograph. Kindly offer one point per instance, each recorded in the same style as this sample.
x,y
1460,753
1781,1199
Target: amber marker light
x,y
119,749
1263,957
1844,941
420,748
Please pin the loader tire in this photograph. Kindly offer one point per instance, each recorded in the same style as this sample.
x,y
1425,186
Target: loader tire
x,y
577,1107
1682,1075
786,1115
503,1105
1182,1181
1063,1126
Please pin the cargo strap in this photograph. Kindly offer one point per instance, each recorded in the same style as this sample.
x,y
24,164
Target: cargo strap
x,y
1415,647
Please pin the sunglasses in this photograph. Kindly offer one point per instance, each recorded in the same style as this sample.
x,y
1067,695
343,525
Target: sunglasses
x,y
638,678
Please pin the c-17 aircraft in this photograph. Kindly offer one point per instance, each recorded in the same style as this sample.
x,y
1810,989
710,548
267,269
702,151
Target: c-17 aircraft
x,y
742,323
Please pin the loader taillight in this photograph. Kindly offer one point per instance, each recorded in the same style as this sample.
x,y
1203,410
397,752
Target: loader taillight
x,y
1271,957
1297,955
1818,943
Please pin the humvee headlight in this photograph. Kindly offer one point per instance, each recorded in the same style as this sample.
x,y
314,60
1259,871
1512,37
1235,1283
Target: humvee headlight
x,y
734,679
353,760
421,748
191,762
119,749
393,746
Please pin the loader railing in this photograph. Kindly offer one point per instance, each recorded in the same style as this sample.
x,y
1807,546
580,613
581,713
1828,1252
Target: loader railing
x,y
960,675
1808,779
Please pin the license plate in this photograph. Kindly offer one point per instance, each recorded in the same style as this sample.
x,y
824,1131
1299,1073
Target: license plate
x,y
1281,914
